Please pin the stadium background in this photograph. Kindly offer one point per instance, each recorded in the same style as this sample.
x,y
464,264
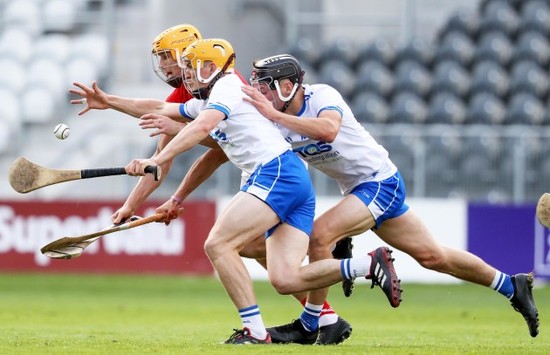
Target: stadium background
x,y
457,92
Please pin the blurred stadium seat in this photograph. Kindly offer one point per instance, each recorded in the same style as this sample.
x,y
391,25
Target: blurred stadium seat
x,y
16,43
374,77
22,14
94,47
310,75
13,74
499,15
532,46
535,16
5,137
449,76
50,74
494,46
53,46
446,108
462,21
407,107
444,144
527,76
38,104
341,49
485,108
305,51
489,77
515,4
524,108
378,50
10,110
414,77
455,46
59,16
369,107
337,74
481,162
80,69
416,49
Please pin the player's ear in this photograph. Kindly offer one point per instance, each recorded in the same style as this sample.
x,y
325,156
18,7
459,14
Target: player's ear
x,y
288,87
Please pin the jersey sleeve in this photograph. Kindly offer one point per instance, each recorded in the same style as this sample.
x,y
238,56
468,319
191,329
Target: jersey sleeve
x,y
226,95
191,108
328,98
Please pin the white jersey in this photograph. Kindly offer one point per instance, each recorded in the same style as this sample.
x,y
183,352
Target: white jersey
x,y
247,138
354,157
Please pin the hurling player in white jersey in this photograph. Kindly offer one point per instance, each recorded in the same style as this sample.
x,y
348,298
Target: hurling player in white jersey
x,y
278,198
324,132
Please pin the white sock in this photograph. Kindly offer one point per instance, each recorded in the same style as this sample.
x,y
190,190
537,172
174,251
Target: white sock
x,y
327,319
252,320
355,267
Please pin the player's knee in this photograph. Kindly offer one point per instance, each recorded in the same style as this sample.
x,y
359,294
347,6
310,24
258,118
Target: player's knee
x,y
213,248
432,260
283,284
319,244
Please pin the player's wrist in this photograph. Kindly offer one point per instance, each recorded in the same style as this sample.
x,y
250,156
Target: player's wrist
x,y
176,199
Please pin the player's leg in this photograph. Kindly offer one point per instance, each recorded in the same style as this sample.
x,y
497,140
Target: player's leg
x,y
352,216
332,328
409,234
244,219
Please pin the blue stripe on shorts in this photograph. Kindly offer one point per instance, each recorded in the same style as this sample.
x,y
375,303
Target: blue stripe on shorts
x,y
385,199
284,184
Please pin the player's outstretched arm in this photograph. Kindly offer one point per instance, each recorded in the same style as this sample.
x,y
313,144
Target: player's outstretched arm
x,y
96,99
191,135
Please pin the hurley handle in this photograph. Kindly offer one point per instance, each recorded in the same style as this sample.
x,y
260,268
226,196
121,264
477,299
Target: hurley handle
x,y
97,172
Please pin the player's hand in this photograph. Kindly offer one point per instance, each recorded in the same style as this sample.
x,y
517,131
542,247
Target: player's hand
x,y
122,214
172,209
162,124
92,97
262,104
137,166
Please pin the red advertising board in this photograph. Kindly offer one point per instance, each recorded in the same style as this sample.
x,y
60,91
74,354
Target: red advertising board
x,y
152,248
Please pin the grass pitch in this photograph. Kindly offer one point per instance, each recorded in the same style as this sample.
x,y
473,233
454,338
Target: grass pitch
x,y
85,314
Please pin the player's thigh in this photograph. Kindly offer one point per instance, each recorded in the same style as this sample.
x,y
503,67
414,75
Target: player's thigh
x,y
245,218
409,234
286,249
348,217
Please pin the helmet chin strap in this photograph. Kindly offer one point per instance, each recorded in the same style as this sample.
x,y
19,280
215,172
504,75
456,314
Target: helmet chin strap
x,y
204,93
289,98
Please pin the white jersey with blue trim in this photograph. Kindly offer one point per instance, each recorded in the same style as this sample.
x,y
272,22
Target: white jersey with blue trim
x,y
354,157
247,138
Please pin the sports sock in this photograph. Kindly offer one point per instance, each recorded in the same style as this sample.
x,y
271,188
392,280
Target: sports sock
x,y
355,267
327,317
310,316
502,283
252,319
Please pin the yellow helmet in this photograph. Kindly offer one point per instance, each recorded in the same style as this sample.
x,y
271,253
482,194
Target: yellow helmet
x,y
215,50
172,42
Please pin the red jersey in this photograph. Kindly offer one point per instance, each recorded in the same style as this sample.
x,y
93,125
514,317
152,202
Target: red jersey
x,y
181,95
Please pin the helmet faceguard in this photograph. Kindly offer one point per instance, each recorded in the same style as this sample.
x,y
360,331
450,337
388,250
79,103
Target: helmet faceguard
x,y
167,49
270,71
198,56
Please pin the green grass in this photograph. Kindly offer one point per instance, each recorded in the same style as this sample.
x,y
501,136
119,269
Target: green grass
x,y
85,314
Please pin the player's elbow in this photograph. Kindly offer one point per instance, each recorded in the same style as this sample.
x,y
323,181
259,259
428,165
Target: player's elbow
x,y
328,134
